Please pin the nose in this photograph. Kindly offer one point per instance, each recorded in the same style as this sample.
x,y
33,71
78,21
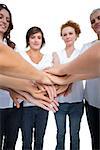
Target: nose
x,y
67,36
97,20
36,39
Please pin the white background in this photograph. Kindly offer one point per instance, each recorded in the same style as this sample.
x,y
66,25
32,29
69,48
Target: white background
x,y
50,15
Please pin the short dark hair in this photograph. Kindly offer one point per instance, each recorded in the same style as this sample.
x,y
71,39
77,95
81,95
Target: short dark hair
x,y
32,31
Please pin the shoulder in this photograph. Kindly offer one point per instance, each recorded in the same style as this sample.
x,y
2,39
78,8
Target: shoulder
x,y
87,45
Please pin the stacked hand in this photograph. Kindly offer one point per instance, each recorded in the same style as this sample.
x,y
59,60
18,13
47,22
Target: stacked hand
x,y
44,93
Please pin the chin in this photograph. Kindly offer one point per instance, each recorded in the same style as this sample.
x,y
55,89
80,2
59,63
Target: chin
x,y
2,31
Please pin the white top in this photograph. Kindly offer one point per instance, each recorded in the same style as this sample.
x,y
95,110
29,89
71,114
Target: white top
x,y
76,94
92,88
45,62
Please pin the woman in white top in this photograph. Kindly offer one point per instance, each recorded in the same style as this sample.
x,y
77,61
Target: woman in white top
x,y
12,64
71,104
9,114
86,66
92,89
33,116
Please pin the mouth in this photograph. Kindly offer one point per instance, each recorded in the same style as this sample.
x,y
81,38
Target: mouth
x,y
68,41
97,26
36,45
3,26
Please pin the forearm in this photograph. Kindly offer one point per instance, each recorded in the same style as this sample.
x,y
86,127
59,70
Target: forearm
x,y
88,62
77,77
14,83
12,64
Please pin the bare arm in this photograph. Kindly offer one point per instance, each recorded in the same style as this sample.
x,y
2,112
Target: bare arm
x,y
76,77
12,64
87,63
22,84
29,90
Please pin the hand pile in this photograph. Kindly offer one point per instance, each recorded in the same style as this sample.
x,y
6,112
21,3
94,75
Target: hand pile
x,y
42,94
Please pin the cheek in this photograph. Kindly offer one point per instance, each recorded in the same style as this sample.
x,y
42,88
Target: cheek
x,y
8,25
63,38
75,37
40,42
93,27
30,42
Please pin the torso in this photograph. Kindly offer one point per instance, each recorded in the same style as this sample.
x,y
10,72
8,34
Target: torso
x,y
76,94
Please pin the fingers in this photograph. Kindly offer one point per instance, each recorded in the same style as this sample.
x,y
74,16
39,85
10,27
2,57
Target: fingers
x,y
16,103
56,102
40,87
52,70
60,80
69,89
37,102
41,103
61,89
51,91
45,79
54,106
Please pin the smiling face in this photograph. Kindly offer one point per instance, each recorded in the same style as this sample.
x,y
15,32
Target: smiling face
x,y
35,41
69,36
4,21
95,21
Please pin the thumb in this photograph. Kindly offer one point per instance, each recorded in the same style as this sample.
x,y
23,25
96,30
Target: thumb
x,y
16,102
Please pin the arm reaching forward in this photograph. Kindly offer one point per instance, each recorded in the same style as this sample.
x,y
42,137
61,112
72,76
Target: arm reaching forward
x,y
12,64
86,63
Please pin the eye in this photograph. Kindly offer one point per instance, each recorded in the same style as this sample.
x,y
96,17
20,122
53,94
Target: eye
x,y
8,20
70,33
98,17
93,21
64,34
39,37
1,16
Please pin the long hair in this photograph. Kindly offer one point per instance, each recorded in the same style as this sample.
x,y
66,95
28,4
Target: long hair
x,y
7,33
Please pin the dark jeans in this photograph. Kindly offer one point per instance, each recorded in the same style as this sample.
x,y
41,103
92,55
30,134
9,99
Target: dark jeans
x,y
9,127
75,112
33,117
93,117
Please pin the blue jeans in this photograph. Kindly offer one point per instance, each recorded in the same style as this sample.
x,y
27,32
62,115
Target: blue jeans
x,y
75,112
9,127
33,117
93,118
